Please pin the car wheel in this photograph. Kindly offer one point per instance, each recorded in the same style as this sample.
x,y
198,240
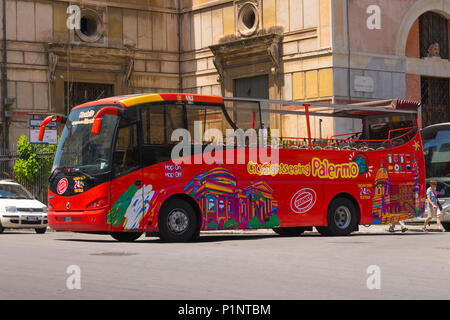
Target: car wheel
x,y
177,221
1,228
342,218
289,231
446,225
41,230
126,236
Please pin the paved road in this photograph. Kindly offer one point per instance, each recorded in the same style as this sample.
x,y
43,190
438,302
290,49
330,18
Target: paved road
x,y
258,265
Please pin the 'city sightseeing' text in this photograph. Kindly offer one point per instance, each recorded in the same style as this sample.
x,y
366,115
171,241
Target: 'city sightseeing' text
x,y
322,169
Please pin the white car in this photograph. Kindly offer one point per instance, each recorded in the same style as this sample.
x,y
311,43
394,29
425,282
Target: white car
x,y
19,209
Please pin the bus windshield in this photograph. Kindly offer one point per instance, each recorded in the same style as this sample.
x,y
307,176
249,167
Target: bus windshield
x,y
437,152
79,149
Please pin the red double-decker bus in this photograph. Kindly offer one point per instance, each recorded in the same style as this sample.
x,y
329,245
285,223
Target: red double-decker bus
x,y
161,164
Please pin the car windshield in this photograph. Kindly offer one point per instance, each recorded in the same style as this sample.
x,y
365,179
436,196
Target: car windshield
x,y
14,191
78,149
437,154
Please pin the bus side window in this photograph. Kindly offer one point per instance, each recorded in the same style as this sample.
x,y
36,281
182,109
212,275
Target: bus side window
x,y
212,121
126,155
158,123
246,115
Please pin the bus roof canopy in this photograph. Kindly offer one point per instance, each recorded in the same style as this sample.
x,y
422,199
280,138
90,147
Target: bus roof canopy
x,y
135,99
351,110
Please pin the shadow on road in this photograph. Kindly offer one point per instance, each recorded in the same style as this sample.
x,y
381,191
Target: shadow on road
x,y
391,234
7,232
240,237
202,239
221,237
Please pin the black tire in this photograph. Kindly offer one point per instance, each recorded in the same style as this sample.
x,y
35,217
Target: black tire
x,y
342,218
178,222
446,225
40,230
126,236
1,228
289,231
323,231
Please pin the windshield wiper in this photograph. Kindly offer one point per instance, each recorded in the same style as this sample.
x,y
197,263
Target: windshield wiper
x,y
50,178
86,174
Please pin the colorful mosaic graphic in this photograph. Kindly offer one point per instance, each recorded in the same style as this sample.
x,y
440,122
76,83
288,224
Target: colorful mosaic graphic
x,y
224,205
363,163
393,203
130,208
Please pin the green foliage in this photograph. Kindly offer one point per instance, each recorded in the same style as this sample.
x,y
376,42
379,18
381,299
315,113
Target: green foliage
x,y
28,166
230,224
254,223
273,222
213,225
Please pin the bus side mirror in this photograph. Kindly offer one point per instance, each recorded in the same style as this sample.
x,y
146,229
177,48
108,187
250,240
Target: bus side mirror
x,y
53,118
97,125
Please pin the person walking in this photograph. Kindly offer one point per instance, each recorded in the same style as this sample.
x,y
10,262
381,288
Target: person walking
x,y
402,225
433,210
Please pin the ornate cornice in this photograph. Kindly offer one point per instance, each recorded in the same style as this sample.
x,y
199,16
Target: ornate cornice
x,y
260,48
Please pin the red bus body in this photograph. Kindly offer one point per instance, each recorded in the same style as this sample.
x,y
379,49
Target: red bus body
x,y
385,186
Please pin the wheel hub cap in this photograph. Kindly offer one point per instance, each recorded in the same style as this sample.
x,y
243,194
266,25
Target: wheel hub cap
x,y
342,217
178,221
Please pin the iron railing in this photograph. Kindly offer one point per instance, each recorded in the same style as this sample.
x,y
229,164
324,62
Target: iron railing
x,y
39,188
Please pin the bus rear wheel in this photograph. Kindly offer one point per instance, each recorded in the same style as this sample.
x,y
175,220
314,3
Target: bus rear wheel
x,y
446,225
289,231
40,230
342,218
178,221
126,236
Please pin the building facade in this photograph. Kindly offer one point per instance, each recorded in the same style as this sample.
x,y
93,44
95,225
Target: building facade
x,y
226,205
334,51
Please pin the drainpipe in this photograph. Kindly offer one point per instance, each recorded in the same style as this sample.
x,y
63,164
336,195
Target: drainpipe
x,y
180,43
349,74
4,80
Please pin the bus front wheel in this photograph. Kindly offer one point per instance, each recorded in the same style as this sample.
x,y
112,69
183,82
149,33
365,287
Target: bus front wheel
x,y
177,221
126,236
289,231
342,218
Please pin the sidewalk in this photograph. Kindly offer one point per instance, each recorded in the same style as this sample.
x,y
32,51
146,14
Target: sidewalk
x,y
412,227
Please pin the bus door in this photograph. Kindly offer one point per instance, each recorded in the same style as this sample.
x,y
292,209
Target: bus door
x,y
127,198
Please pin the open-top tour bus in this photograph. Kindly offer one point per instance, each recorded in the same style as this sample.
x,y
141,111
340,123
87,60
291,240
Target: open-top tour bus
x,y
176,164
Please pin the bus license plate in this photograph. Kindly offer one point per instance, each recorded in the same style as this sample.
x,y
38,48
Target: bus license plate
x,y
67,219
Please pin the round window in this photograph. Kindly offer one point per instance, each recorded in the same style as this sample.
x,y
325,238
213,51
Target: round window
x,y
90,26
248,20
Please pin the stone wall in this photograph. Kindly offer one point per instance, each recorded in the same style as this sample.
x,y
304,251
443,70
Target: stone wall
x,y
305,49
383,62
144,31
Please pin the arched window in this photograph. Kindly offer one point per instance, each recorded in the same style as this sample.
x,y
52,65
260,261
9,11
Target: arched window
x,y
221,205
433,33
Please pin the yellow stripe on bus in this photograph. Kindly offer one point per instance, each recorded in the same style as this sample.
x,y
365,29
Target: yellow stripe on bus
x,y
142,99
